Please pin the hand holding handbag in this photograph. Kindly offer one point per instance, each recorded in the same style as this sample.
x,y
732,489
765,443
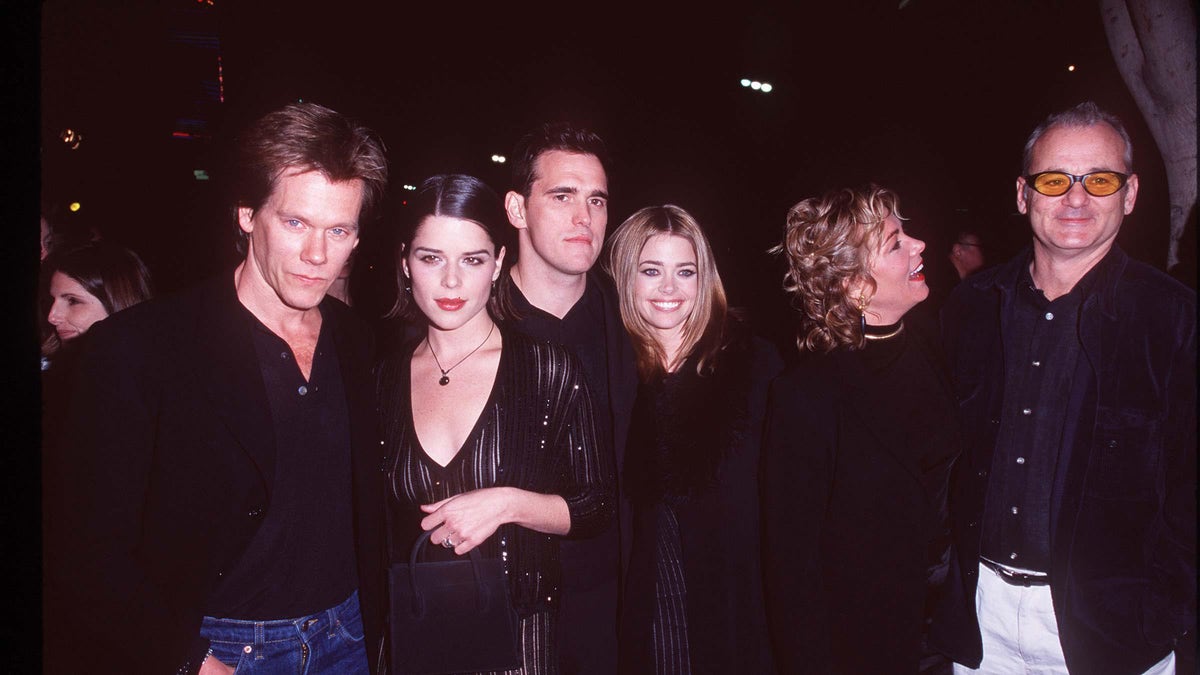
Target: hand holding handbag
x,y
451,617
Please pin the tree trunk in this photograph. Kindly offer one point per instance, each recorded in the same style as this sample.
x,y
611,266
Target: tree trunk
x,y
1154,45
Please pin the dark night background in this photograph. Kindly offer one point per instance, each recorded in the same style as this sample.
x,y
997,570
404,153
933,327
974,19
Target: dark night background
x,y
934,100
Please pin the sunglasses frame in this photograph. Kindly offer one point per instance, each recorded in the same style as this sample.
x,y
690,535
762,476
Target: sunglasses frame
x,y
1031,181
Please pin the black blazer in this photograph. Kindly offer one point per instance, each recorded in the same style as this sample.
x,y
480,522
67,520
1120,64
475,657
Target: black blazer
x,y
1122,505
170,459
847,523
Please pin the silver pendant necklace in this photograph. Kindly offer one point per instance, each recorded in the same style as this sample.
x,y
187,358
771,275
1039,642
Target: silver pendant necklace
x,y
445,379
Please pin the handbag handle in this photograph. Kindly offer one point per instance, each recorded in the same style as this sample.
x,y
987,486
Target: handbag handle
x,y
482,599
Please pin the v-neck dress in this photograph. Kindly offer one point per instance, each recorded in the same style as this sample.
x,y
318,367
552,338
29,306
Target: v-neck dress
x,y
536,433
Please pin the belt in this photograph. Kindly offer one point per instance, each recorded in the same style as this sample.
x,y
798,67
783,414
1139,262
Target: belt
x,y
1016,578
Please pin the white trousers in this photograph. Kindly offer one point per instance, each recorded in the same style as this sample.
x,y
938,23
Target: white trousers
x,y
1020,634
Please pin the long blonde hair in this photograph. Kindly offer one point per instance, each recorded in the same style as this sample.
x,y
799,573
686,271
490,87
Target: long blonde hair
x,y
703,329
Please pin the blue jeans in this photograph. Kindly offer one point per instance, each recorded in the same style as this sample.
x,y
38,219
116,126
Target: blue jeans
x,y
329,641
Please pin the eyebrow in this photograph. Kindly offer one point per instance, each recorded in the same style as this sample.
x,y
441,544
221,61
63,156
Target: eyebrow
x,y
662,264
894,233
570,190
482,251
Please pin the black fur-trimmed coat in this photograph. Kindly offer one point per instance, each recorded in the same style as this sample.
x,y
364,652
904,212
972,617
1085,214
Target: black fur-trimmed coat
x,y
694,445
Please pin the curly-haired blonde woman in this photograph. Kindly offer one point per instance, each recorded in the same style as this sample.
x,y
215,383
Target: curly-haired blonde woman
x,y
859,444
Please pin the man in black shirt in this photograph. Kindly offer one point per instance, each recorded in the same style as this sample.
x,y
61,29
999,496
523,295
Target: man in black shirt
x,y
559,205
1074,501
222,441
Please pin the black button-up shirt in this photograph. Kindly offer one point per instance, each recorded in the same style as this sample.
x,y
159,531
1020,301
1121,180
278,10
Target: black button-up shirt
x,y
1041,351
301,560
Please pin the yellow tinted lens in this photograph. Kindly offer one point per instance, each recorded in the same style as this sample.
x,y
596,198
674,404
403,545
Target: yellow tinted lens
x,y
1102,184
1052,184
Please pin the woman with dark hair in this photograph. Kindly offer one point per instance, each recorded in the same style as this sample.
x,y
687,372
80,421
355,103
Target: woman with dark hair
x,y
693,595
88,283
859,444
84,285
489,433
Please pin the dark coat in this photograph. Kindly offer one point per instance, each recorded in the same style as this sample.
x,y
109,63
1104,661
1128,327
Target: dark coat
x,y
171,457
1123,509
848,523
695,445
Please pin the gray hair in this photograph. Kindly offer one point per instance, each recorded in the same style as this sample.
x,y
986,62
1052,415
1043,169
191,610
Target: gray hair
x,y
1085,114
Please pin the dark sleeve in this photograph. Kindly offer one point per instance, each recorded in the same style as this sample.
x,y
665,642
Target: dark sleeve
x,y
1171,547
587,479
797,470
110,437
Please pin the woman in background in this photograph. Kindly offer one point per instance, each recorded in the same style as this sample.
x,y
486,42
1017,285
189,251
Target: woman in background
x,y
86,284
860,441
489,433
693,594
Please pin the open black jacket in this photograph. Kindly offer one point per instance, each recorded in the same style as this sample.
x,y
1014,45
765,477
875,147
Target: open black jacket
x,y
1123,502
169,456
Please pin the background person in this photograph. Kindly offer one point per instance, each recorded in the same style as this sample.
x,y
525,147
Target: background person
x,y
859,444
87,284
966,253
490,433
693,591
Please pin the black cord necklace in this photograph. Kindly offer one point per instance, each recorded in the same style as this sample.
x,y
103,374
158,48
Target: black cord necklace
x,y
445,380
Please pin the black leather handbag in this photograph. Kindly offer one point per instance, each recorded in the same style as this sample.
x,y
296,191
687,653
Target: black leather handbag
x,y
451,617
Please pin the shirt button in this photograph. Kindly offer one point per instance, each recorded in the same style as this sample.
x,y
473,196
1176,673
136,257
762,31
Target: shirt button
x,y
1014,510
1049,316
283,355
1036,364
303,390
1020,460
1026,411
1012,556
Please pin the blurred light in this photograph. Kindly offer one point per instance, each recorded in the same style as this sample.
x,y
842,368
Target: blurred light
x,y
409,187
75,206
499,159
764,87
71,138
200,174
1071,68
